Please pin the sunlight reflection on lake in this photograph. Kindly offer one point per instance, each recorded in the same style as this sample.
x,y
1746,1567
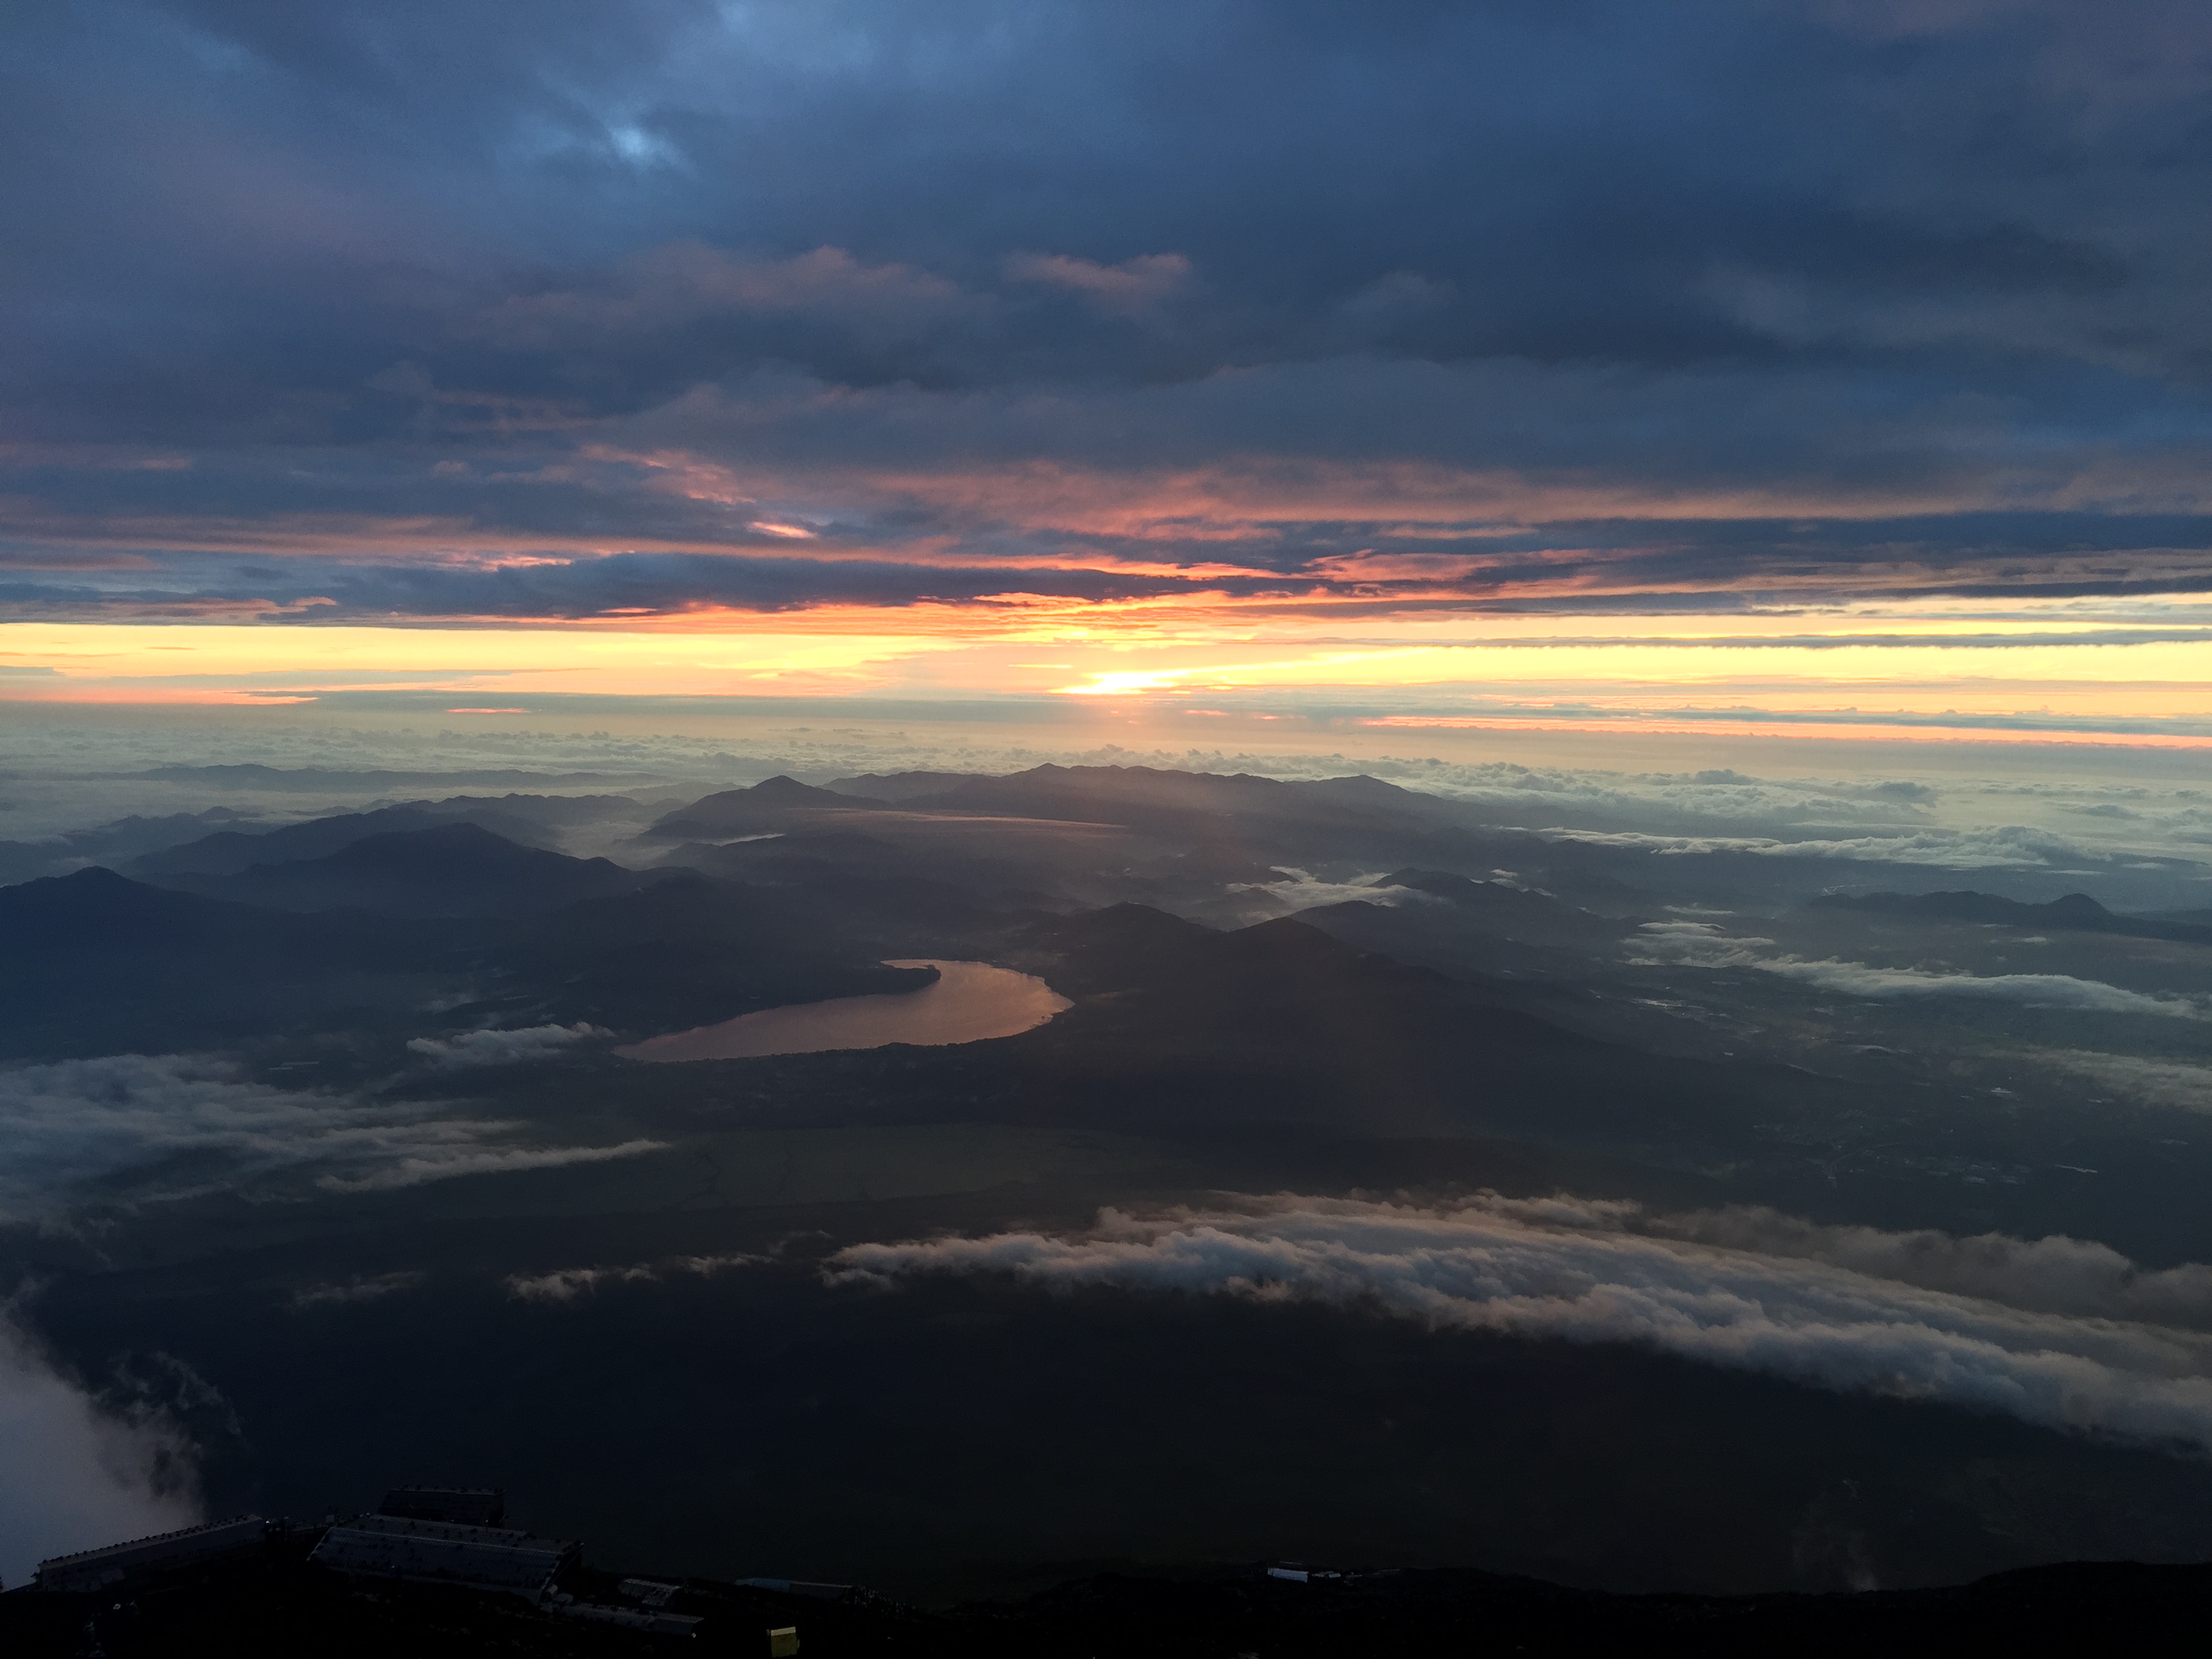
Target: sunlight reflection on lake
x,y
970,1001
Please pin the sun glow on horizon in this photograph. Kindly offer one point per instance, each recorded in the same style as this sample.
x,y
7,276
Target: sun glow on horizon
x,y
2130,670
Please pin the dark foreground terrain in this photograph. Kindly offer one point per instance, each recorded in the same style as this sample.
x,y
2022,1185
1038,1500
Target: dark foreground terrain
x,y
326,1161
278,1604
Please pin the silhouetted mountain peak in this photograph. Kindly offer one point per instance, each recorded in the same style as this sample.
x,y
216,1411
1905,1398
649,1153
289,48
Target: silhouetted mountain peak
x,y
2078,907
783,790
2076,910
737,810
897,787
443,847
97,911
94,896
1363,787
1123,926
93,879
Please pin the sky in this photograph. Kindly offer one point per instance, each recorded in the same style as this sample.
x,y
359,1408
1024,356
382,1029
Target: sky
x,y
1838,368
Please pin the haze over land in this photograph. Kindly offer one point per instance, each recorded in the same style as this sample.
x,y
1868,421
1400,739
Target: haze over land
x,y
1539,674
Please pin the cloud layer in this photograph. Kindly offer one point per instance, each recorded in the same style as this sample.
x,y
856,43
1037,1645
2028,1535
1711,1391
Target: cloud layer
x,y
2168,1083
2054,1332
567,1283
78,1475
407,311
497,1047
133,1127
1702,945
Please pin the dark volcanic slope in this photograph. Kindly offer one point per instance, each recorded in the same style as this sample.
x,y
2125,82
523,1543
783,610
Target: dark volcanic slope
x,y
1182,1026
1179,1030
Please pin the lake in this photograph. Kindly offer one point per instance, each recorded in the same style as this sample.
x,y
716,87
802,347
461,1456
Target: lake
x,y
970,1002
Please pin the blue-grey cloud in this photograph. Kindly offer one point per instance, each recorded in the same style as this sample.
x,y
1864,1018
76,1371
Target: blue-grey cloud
x,y
1824,292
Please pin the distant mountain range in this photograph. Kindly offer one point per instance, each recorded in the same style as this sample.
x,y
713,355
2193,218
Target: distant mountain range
x,y
2074,912
451,869
252,775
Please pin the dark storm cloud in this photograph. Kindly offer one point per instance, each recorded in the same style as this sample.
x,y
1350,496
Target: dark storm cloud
x,y
1723,284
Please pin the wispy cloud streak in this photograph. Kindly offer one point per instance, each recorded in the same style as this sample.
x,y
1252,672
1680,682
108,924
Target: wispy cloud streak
x,y
1702,945
139,1127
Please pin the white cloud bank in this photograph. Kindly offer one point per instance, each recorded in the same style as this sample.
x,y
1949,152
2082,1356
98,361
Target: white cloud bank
x,y
1701,945
74,1476
504,1047
2056,1331
168,1126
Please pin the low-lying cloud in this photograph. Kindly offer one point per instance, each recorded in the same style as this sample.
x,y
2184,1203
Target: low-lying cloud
x,y
1701,945
78,1475
567,1283
1303,892
493,1048
144,1128
2170,1083
2004,847
360,1288
2056,1331
444,1162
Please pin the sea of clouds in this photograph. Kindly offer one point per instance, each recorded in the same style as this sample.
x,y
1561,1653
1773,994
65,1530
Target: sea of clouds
x,y
2057,1332
1998,812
